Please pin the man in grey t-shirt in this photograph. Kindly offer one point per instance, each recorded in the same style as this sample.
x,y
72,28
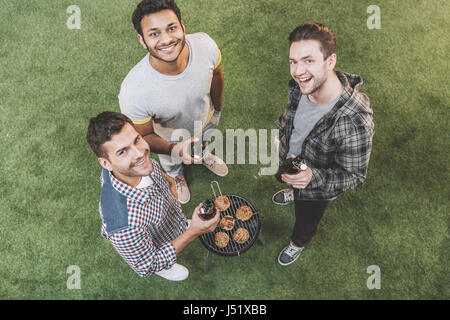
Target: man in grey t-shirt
x,y
174,94
328,123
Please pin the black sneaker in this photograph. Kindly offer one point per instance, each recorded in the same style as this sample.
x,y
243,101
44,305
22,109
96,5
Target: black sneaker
x,y
283,197
289,254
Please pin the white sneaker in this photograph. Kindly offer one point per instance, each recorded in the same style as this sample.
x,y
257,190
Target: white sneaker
x,y
283,197
176,273
182,189
289,254
215,164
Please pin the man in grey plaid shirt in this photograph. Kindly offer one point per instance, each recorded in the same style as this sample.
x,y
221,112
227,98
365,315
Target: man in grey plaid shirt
x,y
328,121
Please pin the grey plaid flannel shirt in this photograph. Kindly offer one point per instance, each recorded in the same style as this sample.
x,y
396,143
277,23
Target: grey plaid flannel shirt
x,y
338,148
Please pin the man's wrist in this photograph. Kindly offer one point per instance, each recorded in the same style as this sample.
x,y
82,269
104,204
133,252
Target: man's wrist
x,y
171,145
316,178
171,181
191,234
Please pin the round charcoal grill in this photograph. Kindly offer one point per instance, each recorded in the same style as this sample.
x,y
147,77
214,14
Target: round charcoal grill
x,y
233,248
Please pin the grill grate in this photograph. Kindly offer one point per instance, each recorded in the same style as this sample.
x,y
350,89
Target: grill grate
x,y
233,248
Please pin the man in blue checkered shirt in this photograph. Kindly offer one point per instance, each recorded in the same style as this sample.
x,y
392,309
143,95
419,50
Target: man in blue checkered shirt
x,y
141,216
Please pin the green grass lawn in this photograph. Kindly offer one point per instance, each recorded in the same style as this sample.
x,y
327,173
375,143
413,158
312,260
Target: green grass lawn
x,y
54,79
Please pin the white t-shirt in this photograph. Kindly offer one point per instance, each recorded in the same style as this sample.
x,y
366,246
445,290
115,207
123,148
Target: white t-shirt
x,y
146,181
172,102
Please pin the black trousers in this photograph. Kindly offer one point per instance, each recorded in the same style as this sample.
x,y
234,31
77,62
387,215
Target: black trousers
x,y
307,217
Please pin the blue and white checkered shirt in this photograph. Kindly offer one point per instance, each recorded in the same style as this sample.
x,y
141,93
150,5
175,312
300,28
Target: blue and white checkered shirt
x,y
155,218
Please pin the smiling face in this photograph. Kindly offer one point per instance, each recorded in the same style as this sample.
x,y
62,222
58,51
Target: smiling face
x,y
128,156
163,35
308,66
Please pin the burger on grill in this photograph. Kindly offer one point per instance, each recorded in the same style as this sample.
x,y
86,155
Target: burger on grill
x,y
222,202
227,223
221,239
241,235
244,213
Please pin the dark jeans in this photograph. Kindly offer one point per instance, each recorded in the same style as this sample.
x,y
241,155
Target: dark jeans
x,y
307,217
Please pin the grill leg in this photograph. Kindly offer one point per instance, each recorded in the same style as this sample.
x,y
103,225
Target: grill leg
x,y
261,239
207,261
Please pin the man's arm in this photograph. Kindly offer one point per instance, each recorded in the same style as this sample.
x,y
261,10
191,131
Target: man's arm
x,y
161,146
217,85
138,250
157,144
352,159
197,227
172,184
136,247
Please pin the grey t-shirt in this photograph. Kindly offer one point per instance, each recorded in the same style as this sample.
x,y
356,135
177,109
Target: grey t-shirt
x,y
306,117
172,102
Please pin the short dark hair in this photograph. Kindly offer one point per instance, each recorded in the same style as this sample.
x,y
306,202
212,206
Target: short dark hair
x,y
151,6
315,31
102,127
